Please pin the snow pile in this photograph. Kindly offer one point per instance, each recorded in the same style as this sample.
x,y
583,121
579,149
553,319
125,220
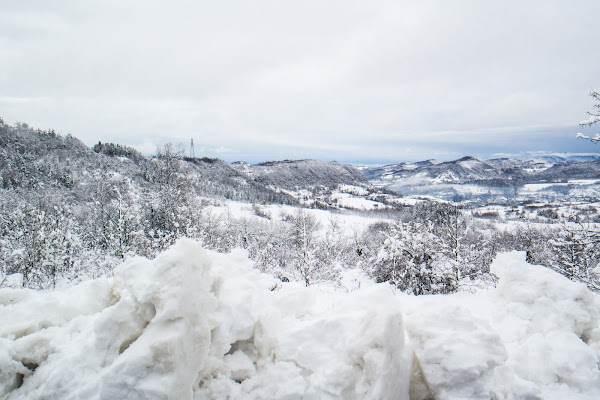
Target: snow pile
x,y
536,336
194,324
197,324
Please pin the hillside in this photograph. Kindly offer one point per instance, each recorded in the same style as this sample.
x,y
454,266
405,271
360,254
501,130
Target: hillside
x,y
33,159
69,213
303,174
89,208
498,171
469,180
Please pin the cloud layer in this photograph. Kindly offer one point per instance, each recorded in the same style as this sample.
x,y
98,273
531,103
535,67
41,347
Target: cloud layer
x,y
347,80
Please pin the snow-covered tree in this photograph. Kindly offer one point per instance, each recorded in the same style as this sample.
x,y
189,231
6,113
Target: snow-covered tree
x,y
576,252
463,245
304,242
410,258
44,245
593,118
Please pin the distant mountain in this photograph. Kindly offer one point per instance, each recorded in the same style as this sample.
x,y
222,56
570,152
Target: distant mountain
x,y
492,172
570,171
566,158
33,160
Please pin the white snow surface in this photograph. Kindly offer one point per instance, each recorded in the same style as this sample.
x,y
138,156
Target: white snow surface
x,y
195,324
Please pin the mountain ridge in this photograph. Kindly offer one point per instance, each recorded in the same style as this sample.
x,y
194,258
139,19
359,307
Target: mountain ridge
x,y
494,172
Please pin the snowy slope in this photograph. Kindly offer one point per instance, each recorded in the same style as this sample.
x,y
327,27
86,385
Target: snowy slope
x,y
292,175
464,170
194,324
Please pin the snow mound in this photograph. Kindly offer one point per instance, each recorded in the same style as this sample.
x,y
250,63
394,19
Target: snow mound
x,y
195,324
536,336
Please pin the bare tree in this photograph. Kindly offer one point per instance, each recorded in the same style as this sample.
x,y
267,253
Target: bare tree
x,y
303,235
168,157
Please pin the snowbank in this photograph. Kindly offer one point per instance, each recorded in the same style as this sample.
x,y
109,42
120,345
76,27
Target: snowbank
x,y
197,324
194,324
536,336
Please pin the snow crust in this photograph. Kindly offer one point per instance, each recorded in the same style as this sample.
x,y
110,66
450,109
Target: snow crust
x,y
195,324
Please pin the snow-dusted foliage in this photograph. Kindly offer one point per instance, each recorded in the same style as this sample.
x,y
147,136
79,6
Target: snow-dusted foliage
x,y
577,253
593,118
410,260
435,248
196,324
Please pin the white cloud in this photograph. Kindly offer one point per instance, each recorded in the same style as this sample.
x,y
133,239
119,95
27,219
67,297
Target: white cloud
x,y
146,148
310,77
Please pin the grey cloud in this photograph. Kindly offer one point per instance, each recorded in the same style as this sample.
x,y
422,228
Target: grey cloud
x,y
343,79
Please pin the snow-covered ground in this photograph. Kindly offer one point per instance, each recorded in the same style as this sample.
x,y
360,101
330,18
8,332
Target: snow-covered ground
x,y
348,223
195,324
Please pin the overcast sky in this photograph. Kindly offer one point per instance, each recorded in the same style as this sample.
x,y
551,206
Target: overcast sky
x,y
354,81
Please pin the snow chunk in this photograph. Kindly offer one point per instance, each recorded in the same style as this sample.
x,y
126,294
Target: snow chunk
x,y
535,336
197,324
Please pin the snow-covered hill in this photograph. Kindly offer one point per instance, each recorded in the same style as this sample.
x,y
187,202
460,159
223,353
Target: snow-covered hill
x,y
293,175
500,180
194,324
496,171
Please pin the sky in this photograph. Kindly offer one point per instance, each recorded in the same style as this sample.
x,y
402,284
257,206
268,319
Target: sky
x,y
352,81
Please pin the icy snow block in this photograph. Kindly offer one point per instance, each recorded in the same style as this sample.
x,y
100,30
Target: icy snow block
x,y
456,352
552,327
534,336
194,324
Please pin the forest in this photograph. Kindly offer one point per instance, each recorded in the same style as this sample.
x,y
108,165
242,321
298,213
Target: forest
x,y
69,213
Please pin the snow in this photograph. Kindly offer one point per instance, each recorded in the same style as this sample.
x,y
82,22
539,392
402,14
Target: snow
x,y
196,324
470,164
349,223
352,189
534,336
14,280
536,187
584,181
580,135
409,167
348,200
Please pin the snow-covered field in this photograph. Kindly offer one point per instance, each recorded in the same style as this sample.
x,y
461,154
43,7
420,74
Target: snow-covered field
x,y
196,324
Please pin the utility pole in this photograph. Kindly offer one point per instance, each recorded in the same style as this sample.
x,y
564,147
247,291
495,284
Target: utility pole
x,y
192,154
